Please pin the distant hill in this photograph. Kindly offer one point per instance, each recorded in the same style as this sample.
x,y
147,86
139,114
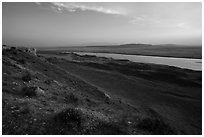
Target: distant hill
x,y
165,50
134,45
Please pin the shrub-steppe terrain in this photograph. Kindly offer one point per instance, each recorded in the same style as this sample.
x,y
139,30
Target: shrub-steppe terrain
x,y
53,93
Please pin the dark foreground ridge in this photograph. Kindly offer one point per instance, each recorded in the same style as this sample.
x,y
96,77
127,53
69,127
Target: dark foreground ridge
x,y
49,95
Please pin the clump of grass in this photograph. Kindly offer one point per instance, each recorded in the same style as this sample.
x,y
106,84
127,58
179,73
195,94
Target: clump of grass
x,y
112,128
22,61
48,82
65,122
29,91
27,77
13,50
71,98
155,126
100,127
68,117
4,52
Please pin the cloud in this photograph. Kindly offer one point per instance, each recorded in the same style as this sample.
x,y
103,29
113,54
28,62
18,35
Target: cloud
x,y
137,19
72,7
181,25
60,7
144,19
38,3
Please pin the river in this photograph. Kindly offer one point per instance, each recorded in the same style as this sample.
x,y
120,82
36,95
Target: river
x,y
188,63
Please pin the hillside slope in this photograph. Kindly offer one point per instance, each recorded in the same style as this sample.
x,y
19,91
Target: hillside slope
x,y
41,95
172,92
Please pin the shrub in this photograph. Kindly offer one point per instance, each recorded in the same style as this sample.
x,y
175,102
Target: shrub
x,y
68,117
48,81
13,48
71,98
22,61
4,52
26,77
29,91
109,128
155,126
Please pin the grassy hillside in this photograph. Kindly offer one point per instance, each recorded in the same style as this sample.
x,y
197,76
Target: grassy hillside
x,y
143,49
44,94
172,92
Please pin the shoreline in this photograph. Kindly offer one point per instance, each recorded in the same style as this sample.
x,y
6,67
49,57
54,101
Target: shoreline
x,y
153,55
66,57
190,64
139,55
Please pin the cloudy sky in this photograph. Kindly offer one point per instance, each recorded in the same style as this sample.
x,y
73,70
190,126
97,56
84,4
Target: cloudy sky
x,y
73,24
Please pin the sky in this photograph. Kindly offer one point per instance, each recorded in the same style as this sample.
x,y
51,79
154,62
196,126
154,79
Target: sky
x,y
58,24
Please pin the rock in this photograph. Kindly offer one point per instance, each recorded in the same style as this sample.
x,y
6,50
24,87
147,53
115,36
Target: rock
x,y
4,47
31,50
28,50
40,91
107,96
32,91
14,83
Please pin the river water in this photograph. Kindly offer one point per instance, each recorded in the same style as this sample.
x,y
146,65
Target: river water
x,y
193,64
